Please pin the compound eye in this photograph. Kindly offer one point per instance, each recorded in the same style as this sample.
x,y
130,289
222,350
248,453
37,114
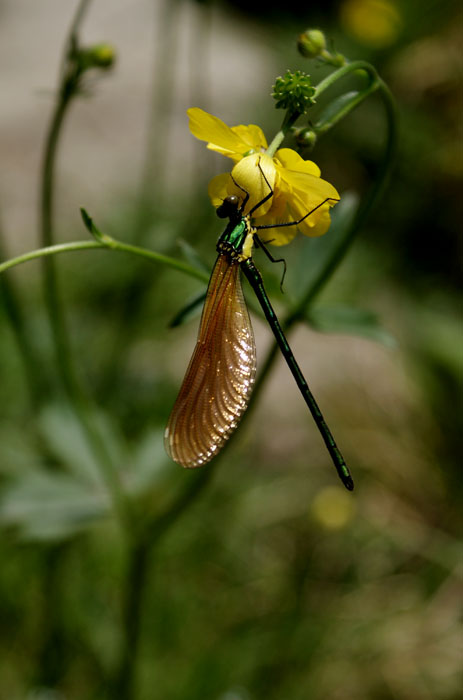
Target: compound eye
x,y
228,207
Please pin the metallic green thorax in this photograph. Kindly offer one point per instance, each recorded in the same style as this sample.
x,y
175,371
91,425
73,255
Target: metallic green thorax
x,y
232,240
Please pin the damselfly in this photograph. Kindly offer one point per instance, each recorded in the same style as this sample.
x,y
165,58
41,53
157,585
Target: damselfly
x,y
220,377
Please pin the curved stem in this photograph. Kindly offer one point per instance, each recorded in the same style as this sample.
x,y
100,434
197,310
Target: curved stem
x,y
50,281
67,90
342,72
107,243
290,119
364,209
370,200
48,251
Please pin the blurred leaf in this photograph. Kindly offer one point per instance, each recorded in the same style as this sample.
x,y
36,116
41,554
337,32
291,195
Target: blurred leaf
x,y
350,320
189,311
192,256
313,253
336,106
51,506
69,443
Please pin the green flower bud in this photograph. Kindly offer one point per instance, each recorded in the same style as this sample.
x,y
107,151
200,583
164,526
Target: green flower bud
x,y
311,43
294,92
305,137
103,55
98,56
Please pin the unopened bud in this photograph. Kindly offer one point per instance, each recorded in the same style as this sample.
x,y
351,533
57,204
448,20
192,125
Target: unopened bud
x,y
311,43
306,138
98,56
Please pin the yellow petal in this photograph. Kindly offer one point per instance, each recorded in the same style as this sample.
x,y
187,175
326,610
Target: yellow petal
x,y
293,161
277,236
253,136
309,187
315,224
292,204
218,188
279,213
221,138
281,236
250,180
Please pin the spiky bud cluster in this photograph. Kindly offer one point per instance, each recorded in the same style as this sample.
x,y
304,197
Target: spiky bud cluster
x,y
294,92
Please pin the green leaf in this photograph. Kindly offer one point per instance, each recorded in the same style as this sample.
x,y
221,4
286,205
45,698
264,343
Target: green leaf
x,y
192,256
341,103
349,320
313,252
191,309
87,219
91,228
68,442
51,506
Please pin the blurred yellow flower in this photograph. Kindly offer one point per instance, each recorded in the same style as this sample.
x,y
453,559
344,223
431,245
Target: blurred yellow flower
x,y
375,23
333,508
296,182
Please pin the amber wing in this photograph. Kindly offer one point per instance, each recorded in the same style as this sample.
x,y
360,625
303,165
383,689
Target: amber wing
x,y
220,376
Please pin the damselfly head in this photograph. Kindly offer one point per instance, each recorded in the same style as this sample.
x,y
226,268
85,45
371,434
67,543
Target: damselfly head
x,y
229,207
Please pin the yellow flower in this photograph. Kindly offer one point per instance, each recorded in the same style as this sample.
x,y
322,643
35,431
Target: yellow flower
x,y
297,186
375,23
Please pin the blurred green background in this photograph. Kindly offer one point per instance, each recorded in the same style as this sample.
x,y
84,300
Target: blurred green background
x,y
274,582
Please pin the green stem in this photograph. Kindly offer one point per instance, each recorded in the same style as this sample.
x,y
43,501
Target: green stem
x,y
291,118
50,250
342,72
34,377
374,194
289,121
108,243
137,575
51,293
68,89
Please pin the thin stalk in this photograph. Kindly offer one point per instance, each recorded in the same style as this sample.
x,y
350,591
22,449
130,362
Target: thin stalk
x,y
139,562
351,67
63,356
374,194
54,653
370,200
289,121
107,244
51,293
68,88
34,377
